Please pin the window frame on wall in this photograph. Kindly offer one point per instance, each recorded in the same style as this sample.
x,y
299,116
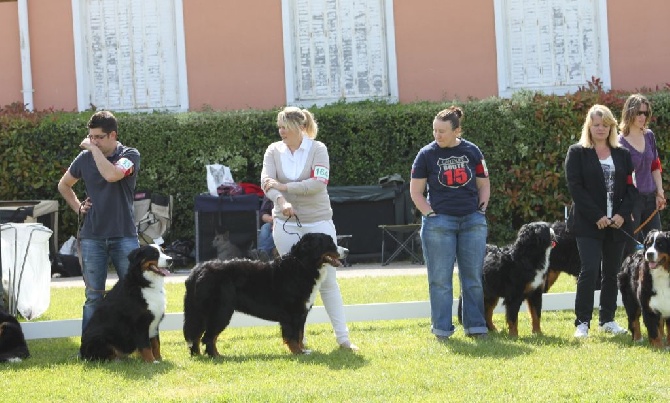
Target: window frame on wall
x,y
88,86
511,80
292,67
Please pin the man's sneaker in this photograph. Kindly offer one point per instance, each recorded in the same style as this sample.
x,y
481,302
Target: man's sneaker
x,y
612,327
582,331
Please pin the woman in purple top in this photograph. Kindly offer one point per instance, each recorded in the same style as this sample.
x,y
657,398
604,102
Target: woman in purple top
x,y
641,143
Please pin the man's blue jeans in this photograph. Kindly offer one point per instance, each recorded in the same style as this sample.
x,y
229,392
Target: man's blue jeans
x,y
265,241
96,254
446,239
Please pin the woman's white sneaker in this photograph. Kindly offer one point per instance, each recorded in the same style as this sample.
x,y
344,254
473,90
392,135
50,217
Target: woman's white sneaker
x,y
612,327
582,331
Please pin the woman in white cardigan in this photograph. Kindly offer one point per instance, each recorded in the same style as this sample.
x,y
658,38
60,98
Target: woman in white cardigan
x,y
295,177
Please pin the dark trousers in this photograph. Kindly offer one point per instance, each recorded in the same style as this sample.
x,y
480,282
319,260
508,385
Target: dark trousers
x,y
645,204
597,254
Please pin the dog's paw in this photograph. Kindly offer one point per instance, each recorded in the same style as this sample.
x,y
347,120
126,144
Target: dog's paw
x,y
306,352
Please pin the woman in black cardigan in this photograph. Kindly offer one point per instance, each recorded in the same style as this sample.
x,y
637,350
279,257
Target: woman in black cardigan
x,y
600,179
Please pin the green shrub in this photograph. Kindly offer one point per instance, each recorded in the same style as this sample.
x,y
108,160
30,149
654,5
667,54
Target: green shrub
x,y
524,140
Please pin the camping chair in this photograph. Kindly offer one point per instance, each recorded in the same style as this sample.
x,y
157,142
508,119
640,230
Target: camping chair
x,y
153,216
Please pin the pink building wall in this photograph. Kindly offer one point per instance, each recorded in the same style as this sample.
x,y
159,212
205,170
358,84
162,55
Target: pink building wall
x,y
639,53
235,56
10,55
445,50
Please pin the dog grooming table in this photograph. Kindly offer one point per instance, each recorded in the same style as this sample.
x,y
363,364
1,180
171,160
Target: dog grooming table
x,y
404,236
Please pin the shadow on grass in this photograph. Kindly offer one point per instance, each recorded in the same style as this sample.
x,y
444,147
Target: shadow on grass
x,y
53,351
132,367
626,341
494,346
500,344
65,352
336,359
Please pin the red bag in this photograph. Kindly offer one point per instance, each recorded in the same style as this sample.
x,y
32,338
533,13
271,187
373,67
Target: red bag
x,y
251,188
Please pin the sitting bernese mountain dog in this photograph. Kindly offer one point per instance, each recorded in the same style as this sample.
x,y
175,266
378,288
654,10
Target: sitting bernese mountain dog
x,y
127,318
644,282
13,347
282,290
516,273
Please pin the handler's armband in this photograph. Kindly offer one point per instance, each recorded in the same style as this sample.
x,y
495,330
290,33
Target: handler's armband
x,y
656,165
126,165
321,173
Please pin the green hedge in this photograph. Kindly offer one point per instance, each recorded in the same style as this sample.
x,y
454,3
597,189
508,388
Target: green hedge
x,y
524,140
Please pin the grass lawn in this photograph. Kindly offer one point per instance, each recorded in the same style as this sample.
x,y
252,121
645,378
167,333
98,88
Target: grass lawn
x,y
399,361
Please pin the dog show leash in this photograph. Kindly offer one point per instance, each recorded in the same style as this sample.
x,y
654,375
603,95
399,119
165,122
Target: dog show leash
x,y
638,244
297,220
638,229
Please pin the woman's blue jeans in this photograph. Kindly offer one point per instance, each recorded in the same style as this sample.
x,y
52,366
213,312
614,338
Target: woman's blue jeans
x,y
96,255
265,241
446,239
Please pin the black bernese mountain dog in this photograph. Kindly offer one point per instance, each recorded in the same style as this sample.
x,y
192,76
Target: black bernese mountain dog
x,y
13,347
282,290
564,257
644,282
516,273
128,317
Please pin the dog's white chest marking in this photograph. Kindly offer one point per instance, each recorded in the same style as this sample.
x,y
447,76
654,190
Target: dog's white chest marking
x,y
539,276
156,300
661,301
323,272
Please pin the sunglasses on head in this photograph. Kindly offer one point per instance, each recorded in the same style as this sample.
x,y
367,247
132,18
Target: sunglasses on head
x,y
645,113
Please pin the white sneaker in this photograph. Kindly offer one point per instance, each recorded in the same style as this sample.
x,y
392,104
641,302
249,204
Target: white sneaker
x,y
347,345
612,327
582,330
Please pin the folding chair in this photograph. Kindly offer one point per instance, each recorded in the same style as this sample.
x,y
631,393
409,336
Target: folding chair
x,y
153,216
406,244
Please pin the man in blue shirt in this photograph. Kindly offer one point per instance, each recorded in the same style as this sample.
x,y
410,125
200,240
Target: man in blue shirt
x,y
109,171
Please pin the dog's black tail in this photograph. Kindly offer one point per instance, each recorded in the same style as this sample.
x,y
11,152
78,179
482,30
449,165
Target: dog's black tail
x,y
193,321
95,348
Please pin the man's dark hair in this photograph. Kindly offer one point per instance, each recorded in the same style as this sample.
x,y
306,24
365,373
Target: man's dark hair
x,y
103,120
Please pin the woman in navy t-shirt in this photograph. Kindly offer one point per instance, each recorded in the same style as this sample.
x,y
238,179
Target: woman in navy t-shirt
x,y
454,227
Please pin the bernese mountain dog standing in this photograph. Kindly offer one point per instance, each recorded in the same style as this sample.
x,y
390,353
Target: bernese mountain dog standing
x,y
13,347
644,282
282,290
516,273
128,317
564,257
